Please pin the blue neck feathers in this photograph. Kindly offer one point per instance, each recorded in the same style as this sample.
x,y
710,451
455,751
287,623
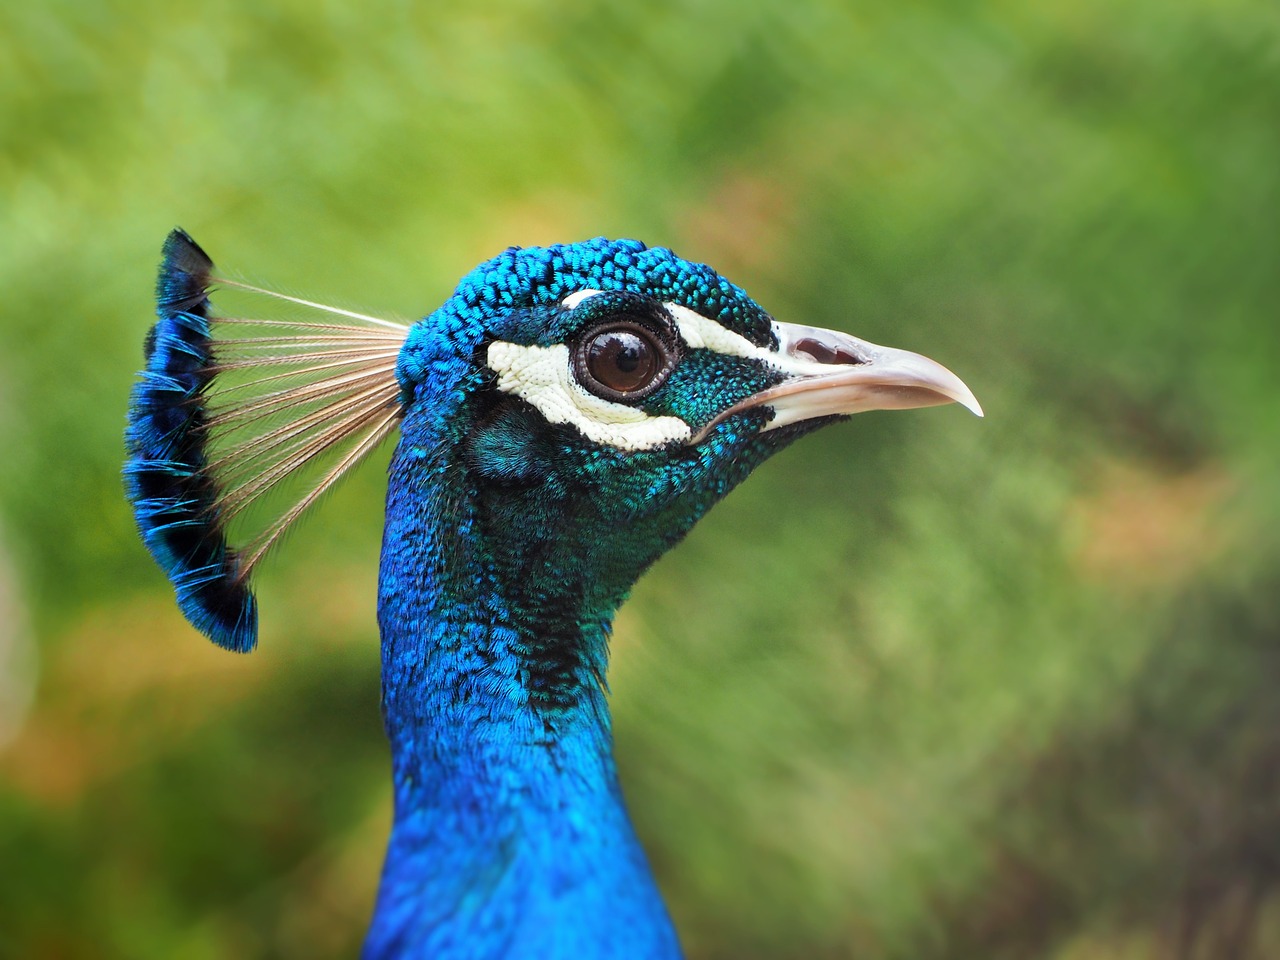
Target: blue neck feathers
x,y
510,836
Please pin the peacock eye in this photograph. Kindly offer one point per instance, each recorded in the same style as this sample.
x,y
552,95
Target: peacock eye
x,y
622,360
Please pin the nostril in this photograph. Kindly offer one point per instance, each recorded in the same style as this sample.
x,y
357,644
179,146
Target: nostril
x,y
824,353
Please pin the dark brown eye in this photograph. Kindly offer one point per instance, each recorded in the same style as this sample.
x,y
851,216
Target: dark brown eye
x,y
622,361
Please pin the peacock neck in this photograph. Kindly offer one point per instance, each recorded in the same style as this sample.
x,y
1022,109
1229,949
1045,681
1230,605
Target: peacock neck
x,y
510,836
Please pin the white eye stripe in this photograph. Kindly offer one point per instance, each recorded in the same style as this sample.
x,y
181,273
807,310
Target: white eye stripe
x,y
700,332
697,331
543,376
573,300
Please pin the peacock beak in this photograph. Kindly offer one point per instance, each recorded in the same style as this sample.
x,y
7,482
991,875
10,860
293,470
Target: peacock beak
x,y
830,373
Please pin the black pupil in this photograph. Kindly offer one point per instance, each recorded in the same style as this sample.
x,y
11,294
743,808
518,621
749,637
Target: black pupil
x,y
622,360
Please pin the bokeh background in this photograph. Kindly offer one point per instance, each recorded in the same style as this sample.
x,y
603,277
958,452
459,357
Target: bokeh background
x,y
925,687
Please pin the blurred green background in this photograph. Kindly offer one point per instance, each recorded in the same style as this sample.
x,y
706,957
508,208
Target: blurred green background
x,y
925,687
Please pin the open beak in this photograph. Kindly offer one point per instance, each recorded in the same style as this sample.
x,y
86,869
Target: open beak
x,y
830,373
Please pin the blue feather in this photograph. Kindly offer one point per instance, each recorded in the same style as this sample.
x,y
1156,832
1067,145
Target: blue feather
x,y
167,479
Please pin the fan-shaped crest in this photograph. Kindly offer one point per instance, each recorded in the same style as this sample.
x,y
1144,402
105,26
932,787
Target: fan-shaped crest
x,y
228,408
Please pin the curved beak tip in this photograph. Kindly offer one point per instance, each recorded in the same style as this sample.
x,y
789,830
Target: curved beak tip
x,y
924,377
970,403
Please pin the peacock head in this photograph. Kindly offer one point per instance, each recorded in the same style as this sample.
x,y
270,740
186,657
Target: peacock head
x,y
586,403
601,396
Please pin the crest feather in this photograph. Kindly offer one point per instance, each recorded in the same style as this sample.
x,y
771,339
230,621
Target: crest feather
x,y
226,410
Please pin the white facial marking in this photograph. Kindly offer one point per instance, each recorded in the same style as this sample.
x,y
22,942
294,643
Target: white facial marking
x,y
544,377
697,331
573,299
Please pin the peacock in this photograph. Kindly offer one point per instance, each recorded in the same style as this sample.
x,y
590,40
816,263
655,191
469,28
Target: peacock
x,y
563,419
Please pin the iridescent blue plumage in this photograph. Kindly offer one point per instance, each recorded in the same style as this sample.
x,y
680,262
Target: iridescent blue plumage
x,y
173,493
565,418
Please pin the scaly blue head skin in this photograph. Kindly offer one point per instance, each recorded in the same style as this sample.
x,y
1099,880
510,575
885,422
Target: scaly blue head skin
x,y
566,417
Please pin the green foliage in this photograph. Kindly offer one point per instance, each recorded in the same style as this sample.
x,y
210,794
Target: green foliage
x,y
926,686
